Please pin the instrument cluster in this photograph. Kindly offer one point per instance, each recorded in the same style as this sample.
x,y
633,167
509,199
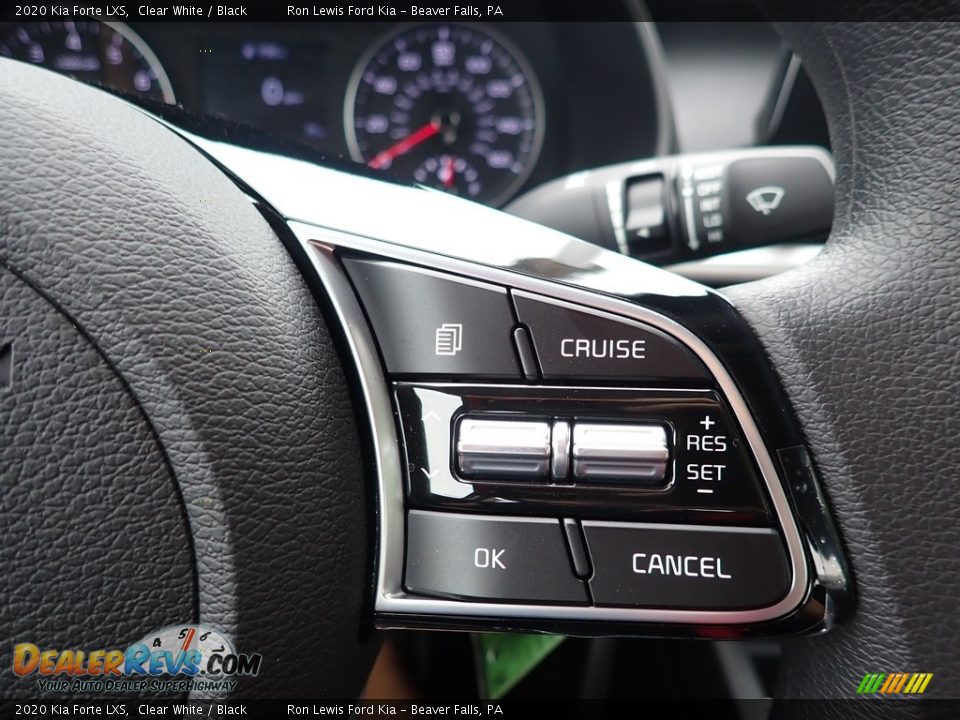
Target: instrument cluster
x,y
483,111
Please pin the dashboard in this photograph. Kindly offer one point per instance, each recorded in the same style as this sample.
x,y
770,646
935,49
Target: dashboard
x,y
477,110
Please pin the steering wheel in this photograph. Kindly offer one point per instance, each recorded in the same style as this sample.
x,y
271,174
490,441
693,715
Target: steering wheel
x,y
179,446
862,338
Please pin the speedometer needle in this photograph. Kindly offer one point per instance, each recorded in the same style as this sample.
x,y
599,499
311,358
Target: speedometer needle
x,y
449,172
404,146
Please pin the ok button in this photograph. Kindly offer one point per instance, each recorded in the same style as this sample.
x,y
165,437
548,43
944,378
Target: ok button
x,y
489,558
477,557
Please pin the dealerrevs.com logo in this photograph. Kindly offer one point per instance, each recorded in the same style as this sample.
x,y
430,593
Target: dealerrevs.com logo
x,y
179,658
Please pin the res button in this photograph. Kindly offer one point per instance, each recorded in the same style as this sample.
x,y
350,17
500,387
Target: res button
x,y
575,343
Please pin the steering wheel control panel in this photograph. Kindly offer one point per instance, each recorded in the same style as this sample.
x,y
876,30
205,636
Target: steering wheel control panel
x,y
560,438
548,455
516,493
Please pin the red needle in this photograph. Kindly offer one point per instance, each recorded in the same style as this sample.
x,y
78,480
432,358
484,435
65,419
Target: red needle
x,y
450,172
187,640
404,146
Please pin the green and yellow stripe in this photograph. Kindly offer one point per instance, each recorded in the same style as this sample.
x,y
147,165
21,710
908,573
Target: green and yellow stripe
x,y
894,683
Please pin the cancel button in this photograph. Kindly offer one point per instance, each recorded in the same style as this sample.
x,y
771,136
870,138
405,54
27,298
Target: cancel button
x,y
672,566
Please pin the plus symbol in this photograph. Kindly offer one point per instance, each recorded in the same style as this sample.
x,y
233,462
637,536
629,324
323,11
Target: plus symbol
x,y
707,422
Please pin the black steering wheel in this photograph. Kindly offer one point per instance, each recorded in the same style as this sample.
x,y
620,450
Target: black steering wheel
x,y
177,443
864,340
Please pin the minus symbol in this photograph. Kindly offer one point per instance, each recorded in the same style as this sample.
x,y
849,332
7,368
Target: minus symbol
x,y
705,491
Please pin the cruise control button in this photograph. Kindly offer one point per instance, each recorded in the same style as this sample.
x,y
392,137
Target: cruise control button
x,y
433,324
670,566
477,557
576,343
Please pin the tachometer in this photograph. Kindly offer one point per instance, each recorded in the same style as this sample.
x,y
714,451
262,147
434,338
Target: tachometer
x,y
453,106
108,54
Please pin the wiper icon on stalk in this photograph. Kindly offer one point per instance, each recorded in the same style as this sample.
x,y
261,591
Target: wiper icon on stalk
x,y
765,199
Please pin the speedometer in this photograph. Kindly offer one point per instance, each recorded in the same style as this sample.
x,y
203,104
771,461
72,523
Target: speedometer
x,y
454,107
108,54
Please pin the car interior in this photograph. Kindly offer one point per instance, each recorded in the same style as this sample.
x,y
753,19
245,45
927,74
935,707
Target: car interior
x,y
479,359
